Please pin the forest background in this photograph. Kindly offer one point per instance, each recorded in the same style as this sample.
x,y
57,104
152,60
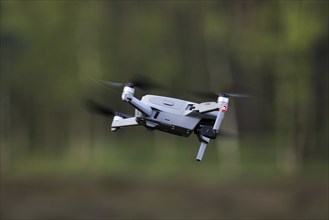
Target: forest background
x,y
60,161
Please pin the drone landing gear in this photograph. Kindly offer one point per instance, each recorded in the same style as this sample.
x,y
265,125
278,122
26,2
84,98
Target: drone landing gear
x,y
204,142
201,150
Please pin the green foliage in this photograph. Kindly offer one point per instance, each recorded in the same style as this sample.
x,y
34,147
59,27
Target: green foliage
x,y
50,49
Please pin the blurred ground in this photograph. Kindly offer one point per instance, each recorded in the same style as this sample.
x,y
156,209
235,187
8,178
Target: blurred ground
x,y
118,197
167,183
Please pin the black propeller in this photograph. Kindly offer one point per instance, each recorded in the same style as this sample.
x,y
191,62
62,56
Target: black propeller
x,y
140,82
229,90
213,95
98,108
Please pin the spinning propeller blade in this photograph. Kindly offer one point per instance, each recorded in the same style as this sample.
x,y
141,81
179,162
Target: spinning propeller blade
x,y
235,95
145,83
213,95
140,82
228,91
203,94
111,84
97,108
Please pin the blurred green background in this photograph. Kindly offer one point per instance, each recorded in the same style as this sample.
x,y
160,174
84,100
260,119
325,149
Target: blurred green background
x,y
60,162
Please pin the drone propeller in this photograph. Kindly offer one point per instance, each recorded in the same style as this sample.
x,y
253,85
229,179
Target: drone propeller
x,y
228,91
140,82
213,95
97,108
235,95
111,84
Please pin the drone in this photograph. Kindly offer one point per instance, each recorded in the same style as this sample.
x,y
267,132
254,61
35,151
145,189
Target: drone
x,y
167,114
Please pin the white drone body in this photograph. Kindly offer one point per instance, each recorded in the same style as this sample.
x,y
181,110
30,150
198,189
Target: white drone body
x,y
174,116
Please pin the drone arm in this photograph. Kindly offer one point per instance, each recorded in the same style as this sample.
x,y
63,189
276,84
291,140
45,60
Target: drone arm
x,y
145,109
128,96
218,121
222,103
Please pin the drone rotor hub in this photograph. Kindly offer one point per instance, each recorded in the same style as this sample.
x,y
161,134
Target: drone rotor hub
x,y
131,85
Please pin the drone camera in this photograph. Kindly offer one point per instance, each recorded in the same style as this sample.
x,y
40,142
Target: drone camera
x,y
208,132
